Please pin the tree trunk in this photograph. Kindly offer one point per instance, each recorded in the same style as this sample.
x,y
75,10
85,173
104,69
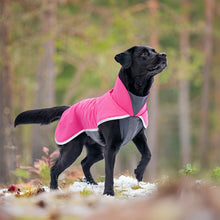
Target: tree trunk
x,y
184,100
45,76
7,149
153,129
215,154
205,102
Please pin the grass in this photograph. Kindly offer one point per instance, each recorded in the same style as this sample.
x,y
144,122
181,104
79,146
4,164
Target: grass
x,y
86,192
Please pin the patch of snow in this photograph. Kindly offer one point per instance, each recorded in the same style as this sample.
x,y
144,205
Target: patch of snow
x,y
81,186
5,192
81,199
124,186
46,188
130,187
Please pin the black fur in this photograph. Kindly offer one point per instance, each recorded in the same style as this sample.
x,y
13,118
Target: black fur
x,y
40,116
139,66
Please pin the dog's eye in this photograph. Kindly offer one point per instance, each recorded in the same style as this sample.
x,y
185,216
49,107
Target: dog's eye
x,y
144,54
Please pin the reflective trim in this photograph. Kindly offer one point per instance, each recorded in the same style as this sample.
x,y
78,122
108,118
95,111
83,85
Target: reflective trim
x,y
143,121
113,118
74,136
96,129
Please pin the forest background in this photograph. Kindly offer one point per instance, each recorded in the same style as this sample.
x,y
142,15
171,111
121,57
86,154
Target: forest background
x,y
57,52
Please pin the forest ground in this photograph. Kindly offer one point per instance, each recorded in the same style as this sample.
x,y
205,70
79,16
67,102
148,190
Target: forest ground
x,y
185,198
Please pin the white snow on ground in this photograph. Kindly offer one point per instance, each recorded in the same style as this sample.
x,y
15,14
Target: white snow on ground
x,y
124,186
131,188
81,199
5,192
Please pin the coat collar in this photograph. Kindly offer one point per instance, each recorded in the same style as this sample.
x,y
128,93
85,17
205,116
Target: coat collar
x,y
132,104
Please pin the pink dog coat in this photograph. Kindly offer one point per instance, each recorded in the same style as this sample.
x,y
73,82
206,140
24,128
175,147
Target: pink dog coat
x,y
87,115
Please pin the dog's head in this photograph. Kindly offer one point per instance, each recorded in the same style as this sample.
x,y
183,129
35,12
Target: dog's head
x,y
139,66
142,61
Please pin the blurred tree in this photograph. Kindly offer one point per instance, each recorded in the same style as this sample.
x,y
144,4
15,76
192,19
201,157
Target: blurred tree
x,y
215,136
45,74
25,37
7,149
153,130
205,96
184,100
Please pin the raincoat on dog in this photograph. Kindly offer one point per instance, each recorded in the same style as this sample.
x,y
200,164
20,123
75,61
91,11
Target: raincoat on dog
x,y
87,115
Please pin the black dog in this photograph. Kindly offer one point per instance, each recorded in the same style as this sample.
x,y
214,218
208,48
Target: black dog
x,y
139,66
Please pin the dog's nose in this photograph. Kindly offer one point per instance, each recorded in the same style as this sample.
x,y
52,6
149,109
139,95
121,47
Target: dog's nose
x,y
162,55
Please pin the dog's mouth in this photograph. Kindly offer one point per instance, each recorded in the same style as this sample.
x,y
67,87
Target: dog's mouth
x,y
159,67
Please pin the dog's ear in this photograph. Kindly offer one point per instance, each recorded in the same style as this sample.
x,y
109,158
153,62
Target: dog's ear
x,y
125,58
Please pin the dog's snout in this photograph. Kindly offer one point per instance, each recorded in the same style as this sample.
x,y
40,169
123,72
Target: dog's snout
x,y
162,55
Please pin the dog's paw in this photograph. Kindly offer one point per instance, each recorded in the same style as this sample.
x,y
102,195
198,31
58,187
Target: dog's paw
x,y
89,181
54,188
109,193
93,183
138,175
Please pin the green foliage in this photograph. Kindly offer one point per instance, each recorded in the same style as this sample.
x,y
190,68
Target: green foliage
x,y
40,170
21,174
216,174
188,170
44,172
213,175
168,74
63,81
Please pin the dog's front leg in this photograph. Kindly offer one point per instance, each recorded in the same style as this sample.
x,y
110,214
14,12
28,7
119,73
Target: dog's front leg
x,y
110,131
110,155
140,141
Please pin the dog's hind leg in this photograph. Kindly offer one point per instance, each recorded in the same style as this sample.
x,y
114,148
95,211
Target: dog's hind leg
x,y
94,154
140,141
68,154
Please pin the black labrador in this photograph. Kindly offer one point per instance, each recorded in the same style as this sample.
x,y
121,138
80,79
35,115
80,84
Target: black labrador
x,y
139,66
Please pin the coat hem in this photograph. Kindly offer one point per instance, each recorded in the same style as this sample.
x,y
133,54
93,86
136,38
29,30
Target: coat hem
x,y
93,129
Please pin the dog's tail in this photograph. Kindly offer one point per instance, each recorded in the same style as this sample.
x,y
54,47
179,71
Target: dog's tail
x,y
40,116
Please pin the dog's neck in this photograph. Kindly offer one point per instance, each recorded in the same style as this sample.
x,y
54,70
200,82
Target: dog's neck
x,y
139,85
129,102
